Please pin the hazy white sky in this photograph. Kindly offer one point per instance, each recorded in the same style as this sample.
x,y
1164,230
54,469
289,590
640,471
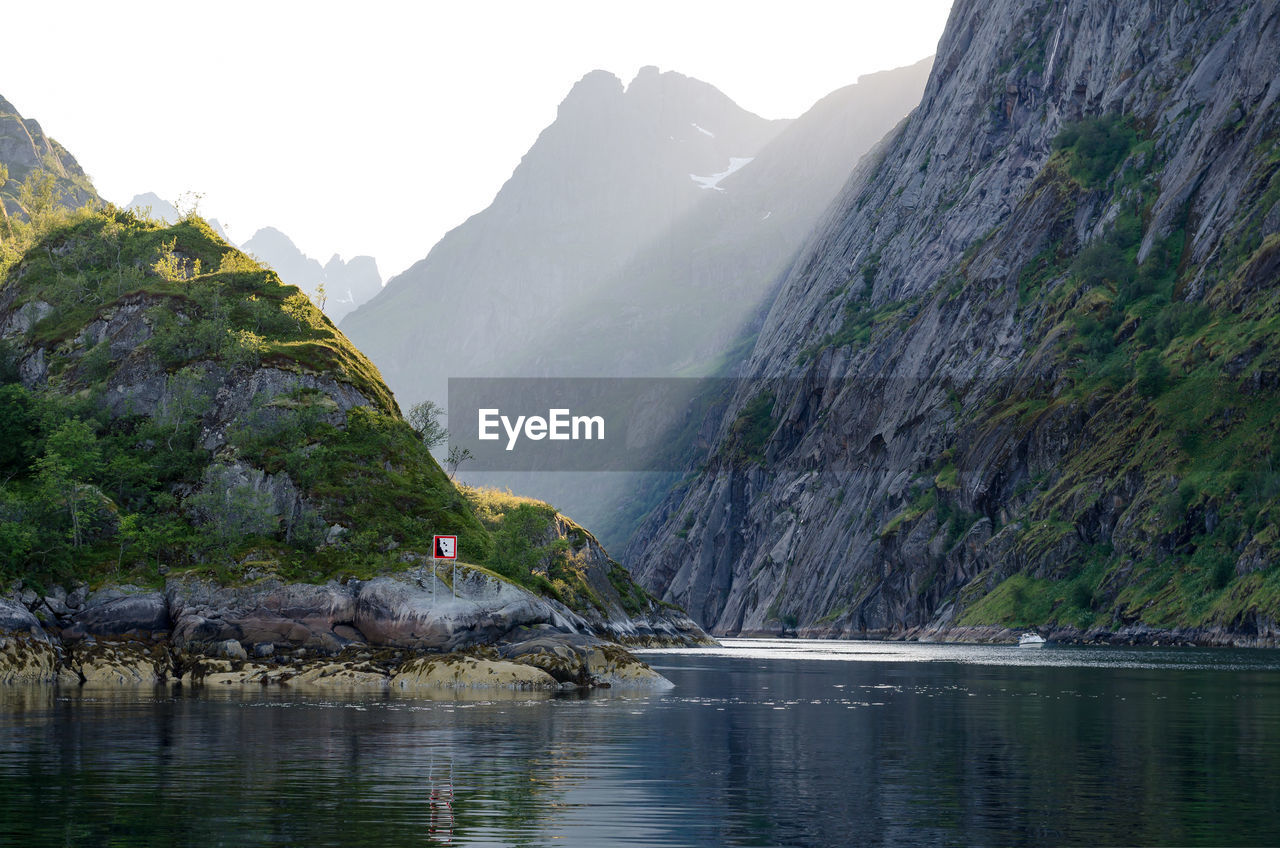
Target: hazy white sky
x,y
374,127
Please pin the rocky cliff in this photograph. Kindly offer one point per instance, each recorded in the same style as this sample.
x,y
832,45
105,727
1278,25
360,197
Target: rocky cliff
x,y
1025,372
51,175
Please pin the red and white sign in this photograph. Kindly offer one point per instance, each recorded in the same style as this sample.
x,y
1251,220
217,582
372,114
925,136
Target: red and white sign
x,y
445,547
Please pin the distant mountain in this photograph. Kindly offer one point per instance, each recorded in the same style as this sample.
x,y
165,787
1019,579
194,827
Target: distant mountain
x,y
609,176
26,150
690,301
689,297
162,210
347,284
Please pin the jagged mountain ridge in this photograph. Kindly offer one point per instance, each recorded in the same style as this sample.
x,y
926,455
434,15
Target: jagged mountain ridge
x,y
610,173
688,296
689,302
967,423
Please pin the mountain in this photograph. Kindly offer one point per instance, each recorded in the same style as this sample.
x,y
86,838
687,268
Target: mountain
x,y
26,154
680,288
609,175
346,284
690,301
157,207
196,441
687,297
1024,374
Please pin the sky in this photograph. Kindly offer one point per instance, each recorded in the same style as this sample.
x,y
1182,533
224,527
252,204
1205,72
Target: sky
x,y
375,127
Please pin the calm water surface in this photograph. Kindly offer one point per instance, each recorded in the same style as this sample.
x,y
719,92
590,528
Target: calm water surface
x,y
760,743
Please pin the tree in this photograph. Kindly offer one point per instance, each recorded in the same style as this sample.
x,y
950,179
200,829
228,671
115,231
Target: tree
x,y
71,458
424,418
457,455
4,178
322,296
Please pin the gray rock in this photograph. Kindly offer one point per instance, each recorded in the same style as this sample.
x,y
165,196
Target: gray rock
x,y
426,614
270,611
17,619
77,597
232,650
118,612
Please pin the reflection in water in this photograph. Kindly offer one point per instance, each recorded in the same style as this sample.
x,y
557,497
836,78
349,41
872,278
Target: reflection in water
x,y
441,829
812,744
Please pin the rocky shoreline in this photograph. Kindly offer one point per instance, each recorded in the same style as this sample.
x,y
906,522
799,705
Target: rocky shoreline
x,y
407,631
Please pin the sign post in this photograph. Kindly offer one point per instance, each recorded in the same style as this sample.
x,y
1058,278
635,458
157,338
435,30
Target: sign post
x,y
445,547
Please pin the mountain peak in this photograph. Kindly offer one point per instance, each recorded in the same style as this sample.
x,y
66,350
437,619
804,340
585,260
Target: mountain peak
x,y
595,87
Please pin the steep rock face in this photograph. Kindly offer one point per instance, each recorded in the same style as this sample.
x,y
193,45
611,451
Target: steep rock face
x,y
607,177
940,450
24,150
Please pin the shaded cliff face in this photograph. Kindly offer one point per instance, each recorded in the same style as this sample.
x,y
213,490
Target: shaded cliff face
x,y
25,150
1024,373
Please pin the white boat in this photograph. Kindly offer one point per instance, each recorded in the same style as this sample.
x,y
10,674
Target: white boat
x,y
1031,640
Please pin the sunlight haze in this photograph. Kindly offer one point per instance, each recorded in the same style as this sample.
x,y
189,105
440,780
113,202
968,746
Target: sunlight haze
x,y
374,128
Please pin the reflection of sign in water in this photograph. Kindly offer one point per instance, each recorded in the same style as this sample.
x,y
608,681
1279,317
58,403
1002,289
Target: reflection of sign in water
x,y
446,547
440,828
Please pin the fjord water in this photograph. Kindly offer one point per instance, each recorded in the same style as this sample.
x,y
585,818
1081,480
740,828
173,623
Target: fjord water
x,y
778,742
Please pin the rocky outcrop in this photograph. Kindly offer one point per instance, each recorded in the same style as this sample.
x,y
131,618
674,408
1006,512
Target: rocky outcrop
x,y
357,633
463,672
582,660
901,482
26,654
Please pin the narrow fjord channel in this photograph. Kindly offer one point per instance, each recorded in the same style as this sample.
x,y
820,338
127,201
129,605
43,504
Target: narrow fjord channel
x,y
760,743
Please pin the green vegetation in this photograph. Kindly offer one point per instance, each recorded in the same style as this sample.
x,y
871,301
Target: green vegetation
x,y
88,493
536,548
751,430
1185,413
1095,147
101,480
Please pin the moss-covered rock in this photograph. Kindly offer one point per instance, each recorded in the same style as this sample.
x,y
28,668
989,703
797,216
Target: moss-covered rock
x,y
460,671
